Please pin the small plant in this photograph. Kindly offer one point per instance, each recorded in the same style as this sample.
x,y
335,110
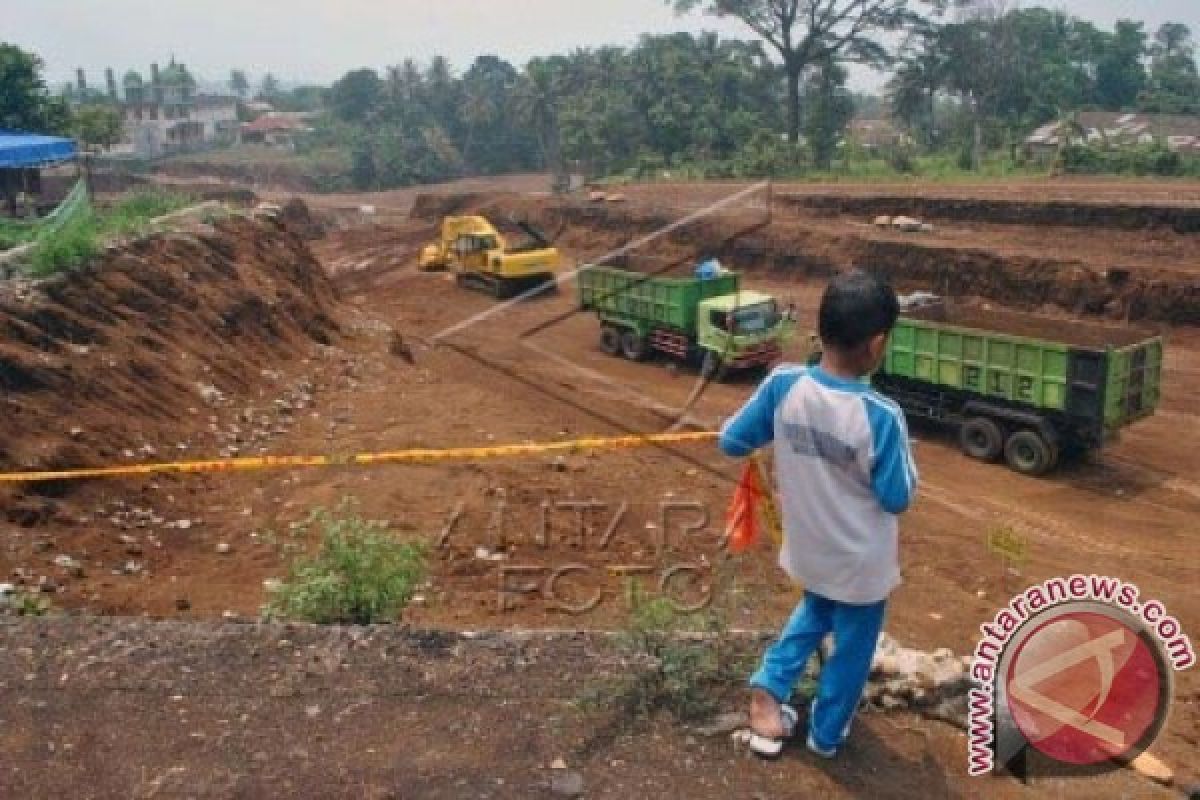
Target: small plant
x,y
24,603
14,234
361,575
688,678
901,159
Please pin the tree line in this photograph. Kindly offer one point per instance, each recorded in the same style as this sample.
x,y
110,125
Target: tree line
x,y
967,77
1004,74
965,80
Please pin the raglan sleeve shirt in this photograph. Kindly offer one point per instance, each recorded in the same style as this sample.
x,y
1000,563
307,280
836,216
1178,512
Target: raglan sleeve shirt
x,y
893,470
753,426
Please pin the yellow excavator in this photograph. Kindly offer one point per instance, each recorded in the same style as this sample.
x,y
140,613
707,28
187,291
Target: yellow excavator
x,y
480,257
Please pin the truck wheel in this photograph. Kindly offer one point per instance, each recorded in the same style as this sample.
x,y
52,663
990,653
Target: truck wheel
x,y
982,439
711,369
1029,454
634,347
610,340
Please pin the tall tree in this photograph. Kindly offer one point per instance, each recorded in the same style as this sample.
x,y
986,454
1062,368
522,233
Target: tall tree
x,y
356,95
913,90
494,140
269,87
1174,85
829,109
808,32
25,103
238,83
97,126
539,102
1120,74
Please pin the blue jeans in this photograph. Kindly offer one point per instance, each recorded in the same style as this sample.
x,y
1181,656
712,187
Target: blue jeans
x,y
855,632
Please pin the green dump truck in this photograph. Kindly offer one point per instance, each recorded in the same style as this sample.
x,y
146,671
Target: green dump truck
x,y
1023,387
709,321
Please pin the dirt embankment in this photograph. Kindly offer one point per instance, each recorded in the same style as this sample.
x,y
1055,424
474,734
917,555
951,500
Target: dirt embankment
x,y
260,176
109,364
797,247
1119,216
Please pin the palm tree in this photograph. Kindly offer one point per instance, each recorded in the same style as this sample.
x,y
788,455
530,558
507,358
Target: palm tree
x,y
537,99
912,91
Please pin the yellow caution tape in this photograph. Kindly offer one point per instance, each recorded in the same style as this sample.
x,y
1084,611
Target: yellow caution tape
x,y
771,518
414,456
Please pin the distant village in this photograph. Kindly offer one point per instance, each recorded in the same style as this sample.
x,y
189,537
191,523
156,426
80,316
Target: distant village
x,y
164,114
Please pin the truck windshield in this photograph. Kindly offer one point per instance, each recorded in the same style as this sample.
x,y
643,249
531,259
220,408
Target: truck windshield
x,y
756,318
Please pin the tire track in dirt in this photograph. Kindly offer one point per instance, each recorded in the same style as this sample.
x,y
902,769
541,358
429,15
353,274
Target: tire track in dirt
x,y
1034,525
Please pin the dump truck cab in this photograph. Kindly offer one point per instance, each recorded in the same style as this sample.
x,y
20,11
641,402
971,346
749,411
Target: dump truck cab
x,y
708,320
480,257
743,329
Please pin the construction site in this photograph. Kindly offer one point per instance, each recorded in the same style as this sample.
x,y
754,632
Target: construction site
x,y
307,328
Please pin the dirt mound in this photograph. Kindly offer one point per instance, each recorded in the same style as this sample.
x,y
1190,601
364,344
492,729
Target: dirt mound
x,y
297,217
435,205
106,364
1119,216
259,175
1087,335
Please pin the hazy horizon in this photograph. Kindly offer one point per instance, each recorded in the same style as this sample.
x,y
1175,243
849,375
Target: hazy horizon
x,y
316,41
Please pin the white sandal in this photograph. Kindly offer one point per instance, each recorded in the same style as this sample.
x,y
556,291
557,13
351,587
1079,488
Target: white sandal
x,y
766,747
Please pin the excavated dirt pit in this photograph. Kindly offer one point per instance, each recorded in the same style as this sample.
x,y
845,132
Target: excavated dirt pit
x,y
297,370
1148,276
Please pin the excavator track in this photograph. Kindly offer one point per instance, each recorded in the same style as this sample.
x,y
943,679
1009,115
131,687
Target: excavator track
x,y
502,288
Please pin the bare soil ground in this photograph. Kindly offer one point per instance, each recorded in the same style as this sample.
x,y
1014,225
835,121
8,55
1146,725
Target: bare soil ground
x,y
125,709
1129,511
1098,191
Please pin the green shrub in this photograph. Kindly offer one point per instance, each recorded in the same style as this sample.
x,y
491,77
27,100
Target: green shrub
x,y
77,240
134,210
900,159
14,234
1151,160
362,575
67,247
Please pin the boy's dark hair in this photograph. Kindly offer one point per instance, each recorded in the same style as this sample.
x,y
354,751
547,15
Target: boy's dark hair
x,y
856,307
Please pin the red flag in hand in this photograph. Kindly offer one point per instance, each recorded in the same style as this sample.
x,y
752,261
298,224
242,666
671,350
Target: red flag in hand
x,y
741,521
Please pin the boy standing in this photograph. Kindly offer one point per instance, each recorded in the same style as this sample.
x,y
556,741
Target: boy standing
x,y
844,471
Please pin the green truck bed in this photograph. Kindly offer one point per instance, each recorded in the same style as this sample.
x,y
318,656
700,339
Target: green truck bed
x,y
1103,377
656,301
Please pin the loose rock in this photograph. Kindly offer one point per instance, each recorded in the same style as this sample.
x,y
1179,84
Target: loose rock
x,y
725,723
566,783
1152,767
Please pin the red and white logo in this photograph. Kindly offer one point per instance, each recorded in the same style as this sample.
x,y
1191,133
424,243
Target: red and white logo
x,y
1074,676
1086,687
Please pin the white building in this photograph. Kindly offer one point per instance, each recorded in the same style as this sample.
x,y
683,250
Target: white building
x,y
165,115
219,116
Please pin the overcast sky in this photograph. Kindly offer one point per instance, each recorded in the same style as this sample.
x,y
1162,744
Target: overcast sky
x,y
319,40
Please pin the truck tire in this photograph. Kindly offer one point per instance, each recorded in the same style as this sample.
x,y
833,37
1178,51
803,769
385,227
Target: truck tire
x,y
981,439
634,347
1028,453
610,340
711,368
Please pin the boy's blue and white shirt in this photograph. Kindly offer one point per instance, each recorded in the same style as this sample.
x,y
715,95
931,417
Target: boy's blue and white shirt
x,y
844,470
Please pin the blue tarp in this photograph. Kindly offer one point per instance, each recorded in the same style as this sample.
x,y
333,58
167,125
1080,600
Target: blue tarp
x,y
19,150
